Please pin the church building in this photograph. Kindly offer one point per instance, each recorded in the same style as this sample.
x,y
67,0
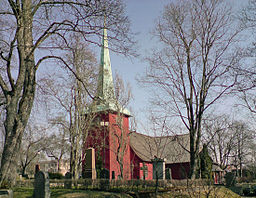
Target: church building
x,y
115,152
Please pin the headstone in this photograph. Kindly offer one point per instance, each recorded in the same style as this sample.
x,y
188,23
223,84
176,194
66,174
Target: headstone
x,y
68,181
41,184
158,168
144,168
6,193
230,179
104,173
113,175
168,174
89,165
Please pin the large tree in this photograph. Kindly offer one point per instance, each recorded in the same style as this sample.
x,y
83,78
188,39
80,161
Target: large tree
x,y
34,142
33,31
67,94
229,141
192,68
248,87
119,129
220,138
244,138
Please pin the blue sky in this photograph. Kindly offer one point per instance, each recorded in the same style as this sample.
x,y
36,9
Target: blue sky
x,y
143,14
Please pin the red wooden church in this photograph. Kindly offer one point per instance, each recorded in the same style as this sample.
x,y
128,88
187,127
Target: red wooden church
x,y
125,154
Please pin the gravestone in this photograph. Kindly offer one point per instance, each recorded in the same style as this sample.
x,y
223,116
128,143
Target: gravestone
x,y
113,175
6,193
41,184
68,181
230,179
158,168
144,168
89,166
104,173
168,174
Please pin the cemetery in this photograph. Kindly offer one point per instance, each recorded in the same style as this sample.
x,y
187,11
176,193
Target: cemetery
x,y
72,128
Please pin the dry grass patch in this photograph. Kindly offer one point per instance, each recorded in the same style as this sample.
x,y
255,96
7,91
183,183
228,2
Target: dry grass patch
x,y
201,192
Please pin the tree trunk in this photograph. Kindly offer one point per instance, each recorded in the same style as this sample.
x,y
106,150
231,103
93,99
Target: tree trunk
x,y
20,98
23,171
15,124
14,128
157,183
193,157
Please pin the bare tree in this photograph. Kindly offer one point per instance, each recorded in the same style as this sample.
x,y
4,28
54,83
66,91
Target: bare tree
x,y
220,138
83,61
192,69
243,140
34,142
249,100
76,102
248,15
119,129
229,141
58,146
248,87
33,31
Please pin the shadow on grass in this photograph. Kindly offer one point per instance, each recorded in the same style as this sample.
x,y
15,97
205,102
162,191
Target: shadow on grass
x,y
60,192
28,192
23,192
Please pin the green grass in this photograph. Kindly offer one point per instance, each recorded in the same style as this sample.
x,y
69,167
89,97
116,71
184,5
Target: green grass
x,y
219,192
67,193
23,192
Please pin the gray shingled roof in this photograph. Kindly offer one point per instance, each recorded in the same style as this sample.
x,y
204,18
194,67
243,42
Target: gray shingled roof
x,y
174,148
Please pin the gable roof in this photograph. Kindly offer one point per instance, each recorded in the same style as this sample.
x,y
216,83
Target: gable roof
x,y
175,149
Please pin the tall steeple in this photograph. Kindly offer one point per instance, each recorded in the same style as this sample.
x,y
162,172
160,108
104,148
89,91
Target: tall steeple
x,y
106,99
105,89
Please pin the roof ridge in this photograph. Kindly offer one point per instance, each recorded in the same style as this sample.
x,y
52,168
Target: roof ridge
x,y
160,136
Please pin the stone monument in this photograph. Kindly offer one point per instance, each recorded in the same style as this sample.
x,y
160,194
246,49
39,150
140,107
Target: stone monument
x,y
158,168
41,184
68,180
6,193
89,166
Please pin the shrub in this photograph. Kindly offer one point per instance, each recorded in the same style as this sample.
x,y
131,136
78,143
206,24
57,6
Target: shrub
x,y
247,179
205,163
4,185
254,190
246,191
230,179
55,176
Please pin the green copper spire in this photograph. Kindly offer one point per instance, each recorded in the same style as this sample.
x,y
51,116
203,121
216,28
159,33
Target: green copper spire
x,y
106,99
105,89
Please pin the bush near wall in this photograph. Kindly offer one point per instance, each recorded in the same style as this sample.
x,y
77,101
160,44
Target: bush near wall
x,y
230,179
55,175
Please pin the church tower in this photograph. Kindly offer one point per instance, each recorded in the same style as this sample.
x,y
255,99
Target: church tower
x,y
110,129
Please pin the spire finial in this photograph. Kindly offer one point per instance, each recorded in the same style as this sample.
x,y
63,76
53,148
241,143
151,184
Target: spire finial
x,y
105,20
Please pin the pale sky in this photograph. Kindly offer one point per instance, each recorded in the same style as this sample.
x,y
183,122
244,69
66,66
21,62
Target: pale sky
x,y
143,14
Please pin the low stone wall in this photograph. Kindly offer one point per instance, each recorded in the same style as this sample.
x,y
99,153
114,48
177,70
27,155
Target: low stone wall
x,y
96,183
110,184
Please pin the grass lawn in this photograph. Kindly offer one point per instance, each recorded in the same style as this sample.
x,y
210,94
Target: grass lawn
x,y
68,193
219,192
